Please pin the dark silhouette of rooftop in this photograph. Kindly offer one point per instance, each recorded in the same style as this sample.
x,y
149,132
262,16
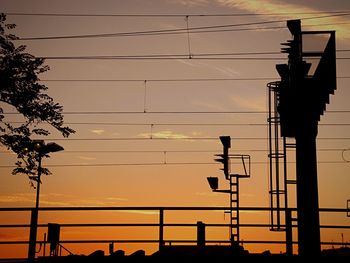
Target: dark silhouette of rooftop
x,y
200,254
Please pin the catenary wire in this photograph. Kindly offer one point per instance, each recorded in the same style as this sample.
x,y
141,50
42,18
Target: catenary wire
x,y
166,112
184,30
198,32
133,33
173,15
169,80
231,55
169,138
177,124
179,151
165,57
158,163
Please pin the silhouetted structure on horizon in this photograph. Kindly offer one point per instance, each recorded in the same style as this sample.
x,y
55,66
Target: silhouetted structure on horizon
x,y
299,100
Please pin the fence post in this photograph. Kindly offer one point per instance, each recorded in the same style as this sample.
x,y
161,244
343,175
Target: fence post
x,y
161,224
32,234
200,234
289,233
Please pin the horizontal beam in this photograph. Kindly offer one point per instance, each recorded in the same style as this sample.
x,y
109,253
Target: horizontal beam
x,y
157,225
165,241
156,208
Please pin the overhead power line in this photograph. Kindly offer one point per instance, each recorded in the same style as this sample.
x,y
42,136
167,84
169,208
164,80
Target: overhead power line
x,y
170,80
173,15
176,138
155,33
165,57
151,112
176,151
134,33
159,80
159,57
184,112
177,124
157,163
215,56
183,32
197,32
166,112
180,30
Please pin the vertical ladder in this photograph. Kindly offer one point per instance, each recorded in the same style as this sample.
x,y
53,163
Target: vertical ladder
x,y
278,149
243,172
279,182
277,161
234,211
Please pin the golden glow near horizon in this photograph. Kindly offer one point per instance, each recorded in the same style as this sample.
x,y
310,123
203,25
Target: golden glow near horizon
x,y
128,151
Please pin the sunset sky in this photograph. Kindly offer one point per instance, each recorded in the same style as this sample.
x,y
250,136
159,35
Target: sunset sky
x,y
149,95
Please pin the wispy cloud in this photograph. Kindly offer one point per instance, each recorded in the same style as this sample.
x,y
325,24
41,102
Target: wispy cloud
x,y
142,212
258,6
18,198
251,103
187,62
208,105
190,3
290,10
196,133
98,131
60,200
167,134
103,201
13,236
224,70
113,199
210,194
86,158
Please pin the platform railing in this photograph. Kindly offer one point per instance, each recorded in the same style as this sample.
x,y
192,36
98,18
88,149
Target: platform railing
x,y
160,225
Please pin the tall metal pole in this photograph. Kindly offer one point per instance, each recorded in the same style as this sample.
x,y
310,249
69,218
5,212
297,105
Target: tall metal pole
x,y
34,217
307,189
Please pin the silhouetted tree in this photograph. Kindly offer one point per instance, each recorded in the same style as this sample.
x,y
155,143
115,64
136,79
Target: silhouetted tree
x,y
20,88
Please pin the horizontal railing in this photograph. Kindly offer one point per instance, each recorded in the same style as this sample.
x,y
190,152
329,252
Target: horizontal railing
x,y
160,225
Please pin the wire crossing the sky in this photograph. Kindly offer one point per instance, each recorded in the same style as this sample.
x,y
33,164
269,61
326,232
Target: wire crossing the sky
x,y
173,15
179,30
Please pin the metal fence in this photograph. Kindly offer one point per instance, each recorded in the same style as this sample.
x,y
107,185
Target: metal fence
x,y
160,226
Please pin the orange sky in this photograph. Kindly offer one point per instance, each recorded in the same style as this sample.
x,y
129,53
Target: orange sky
x,y
99,171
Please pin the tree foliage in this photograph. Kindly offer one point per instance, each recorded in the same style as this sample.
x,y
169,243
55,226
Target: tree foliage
x,y
21,89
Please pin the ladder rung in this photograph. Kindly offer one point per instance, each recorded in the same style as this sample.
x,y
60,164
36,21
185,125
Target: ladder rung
x,y
277,228
277,192
290,145
240,175
276,155
273,120
291,181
